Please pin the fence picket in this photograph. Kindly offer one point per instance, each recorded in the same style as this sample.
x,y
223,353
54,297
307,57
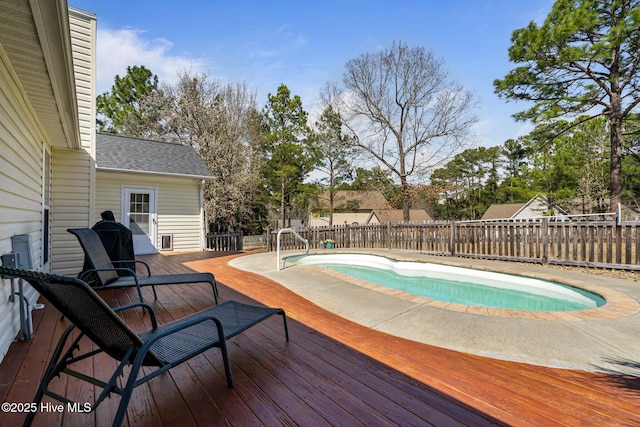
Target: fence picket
x,y
544,240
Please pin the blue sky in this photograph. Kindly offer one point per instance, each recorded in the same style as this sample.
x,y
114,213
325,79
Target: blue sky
x,y
305,44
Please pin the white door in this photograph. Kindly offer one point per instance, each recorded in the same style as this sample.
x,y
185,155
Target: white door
x,y
140,216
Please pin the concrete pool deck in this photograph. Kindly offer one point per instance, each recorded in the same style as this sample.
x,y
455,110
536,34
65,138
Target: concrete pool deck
x,y
602,339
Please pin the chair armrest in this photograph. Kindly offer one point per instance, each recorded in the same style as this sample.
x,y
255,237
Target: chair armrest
x,y
185,325
154,322
95,270
146,347
137,261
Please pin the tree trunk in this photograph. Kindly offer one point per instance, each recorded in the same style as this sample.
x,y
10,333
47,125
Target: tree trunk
x,y
406,198
331,197
615,129
615,124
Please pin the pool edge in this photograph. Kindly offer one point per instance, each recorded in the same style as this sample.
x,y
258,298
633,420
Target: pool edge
x,y
617,304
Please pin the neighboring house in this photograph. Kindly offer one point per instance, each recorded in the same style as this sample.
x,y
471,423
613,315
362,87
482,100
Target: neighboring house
x,y
537,206
376,216
340,218
351,201
359,208
381,216
155,189
349,207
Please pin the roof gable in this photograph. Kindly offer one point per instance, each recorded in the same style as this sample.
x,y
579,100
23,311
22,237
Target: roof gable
x,y
115,152
538,205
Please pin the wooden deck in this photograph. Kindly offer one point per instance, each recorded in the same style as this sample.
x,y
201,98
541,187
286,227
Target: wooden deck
x,y
331,372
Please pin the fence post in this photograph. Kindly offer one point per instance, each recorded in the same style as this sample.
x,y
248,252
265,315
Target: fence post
x,y
545,241
618,242
452,238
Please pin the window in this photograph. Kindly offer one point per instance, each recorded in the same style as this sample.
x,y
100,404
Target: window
x,y
139,212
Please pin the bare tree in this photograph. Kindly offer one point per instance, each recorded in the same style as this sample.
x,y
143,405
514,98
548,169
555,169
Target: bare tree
x,y
221,122
403,111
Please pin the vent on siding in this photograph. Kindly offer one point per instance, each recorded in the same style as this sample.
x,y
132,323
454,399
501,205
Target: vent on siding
x,y
166,242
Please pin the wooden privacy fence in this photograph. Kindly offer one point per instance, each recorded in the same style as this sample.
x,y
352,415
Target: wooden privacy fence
x,y
549,240
224,242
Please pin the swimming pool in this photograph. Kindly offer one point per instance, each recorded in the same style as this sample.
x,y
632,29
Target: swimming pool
x,y
459,285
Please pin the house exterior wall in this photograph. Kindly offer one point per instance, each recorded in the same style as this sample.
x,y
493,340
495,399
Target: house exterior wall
x,y
536,208
374,219
21,191
340,218
73,171
178,201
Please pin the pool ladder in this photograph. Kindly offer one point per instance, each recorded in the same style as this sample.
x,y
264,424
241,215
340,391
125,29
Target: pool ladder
x,y
284,260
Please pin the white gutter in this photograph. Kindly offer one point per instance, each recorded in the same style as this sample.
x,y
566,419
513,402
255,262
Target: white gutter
x,y
205,177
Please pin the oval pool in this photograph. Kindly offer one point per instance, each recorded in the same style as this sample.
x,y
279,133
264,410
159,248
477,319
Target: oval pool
x,y
459,285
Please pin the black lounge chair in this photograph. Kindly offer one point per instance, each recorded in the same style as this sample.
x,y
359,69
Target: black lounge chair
x,y
103,274
158,349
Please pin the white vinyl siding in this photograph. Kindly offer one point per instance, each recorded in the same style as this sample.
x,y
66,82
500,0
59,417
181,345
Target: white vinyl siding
x,y
69,208
21,150
73,175
178,201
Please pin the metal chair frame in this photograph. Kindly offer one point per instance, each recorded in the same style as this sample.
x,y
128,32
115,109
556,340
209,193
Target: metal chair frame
x,y
161,347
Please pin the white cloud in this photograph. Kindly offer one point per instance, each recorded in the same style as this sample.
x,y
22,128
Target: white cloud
x,y
496,130
119,48
264,54
484,131
300,40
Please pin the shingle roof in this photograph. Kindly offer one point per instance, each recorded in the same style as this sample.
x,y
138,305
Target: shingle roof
x,y
353,200
147,156
536,206
396,215
501,211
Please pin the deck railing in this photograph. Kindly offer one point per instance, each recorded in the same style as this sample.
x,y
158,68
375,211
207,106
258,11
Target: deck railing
x,y
224,241
576,241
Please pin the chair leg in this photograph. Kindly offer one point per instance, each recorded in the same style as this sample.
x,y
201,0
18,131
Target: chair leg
x,y
140,294
125,397
286,329
225,353
215,291
227,365
55,366
155,295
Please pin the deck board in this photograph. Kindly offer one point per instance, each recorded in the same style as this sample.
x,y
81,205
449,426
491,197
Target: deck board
x,y
331,372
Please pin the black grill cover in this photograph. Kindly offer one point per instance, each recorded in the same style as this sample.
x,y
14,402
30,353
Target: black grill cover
x,y
118,241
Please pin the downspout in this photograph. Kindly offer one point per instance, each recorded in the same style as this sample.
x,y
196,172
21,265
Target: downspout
x,y
203,222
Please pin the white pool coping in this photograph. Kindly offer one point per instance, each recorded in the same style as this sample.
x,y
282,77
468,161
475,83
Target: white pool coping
x,y
488,279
